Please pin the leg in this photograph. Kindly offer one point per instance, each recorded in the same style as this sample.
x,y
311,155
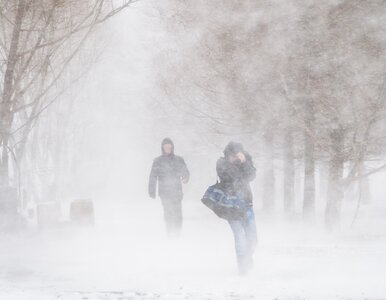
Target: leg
x,y
249,226
250,230
241,245
177,217
173,215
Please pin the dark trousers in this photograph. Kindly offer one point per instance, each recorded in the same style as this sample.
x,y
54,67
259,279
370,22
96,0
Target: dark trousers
x,y
173,215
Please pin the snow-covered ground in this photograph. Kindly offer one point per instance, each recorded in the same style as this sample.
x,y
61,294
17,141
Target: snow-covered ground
x,y
127,256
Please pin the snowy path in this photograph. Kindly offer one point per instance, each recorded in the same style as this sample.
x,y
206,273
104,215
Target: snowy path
x,y
128,257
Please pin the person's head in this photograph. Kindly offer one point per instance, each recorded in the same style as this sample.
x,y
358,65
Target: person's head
x,y
167,146
231,151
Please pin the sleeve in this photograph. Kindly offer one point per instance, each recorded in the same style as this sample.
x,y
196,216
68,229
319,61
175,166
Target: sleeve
x,y
248,169
153,179
225,171
185,174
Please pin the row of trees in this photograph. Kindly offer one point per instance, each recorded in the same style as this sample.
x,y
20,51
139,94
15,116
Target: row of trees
x,y
307,80
41,56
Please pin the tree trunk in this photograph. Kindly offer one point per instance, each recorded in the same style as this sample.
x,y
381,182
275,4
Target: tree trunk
x,y
364,187
323,170
269,176
289,173
309,162
335,189
4,164
7,93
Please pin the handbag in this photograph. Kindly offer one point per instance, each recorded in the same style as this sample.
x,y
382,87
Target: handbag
x,y
225,206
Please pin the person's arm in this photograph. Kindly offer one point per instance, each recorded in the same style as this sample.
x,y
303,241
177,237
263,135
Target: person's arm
x,y
153,179
185,174
248,169
226,171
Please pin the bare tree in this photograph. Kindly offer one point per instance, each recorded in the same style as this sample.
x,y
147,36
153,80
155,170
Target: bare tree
x,y
39,41
314,73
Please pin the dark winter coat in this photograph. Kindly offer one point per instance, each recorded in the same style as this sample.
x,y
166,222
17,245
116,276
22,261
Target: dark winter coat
x,y
168,170
235,177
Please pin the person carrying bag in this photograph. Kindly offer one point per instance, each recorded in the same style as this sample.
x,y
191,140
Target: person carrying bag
x,y
232,199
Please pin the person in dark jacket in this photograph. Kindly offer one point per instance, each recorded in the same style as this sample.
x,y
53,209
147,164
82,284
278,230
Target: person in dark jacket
x,y
236,171
170,171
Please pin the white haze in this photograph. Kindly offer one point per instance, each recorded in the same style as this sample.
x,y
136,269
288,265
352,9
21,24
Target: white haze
x,y
127,254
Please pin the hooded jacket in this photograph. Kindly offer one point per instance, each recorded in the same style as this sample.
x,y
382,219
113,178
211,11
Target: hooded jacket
x,y
236,176
168,170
